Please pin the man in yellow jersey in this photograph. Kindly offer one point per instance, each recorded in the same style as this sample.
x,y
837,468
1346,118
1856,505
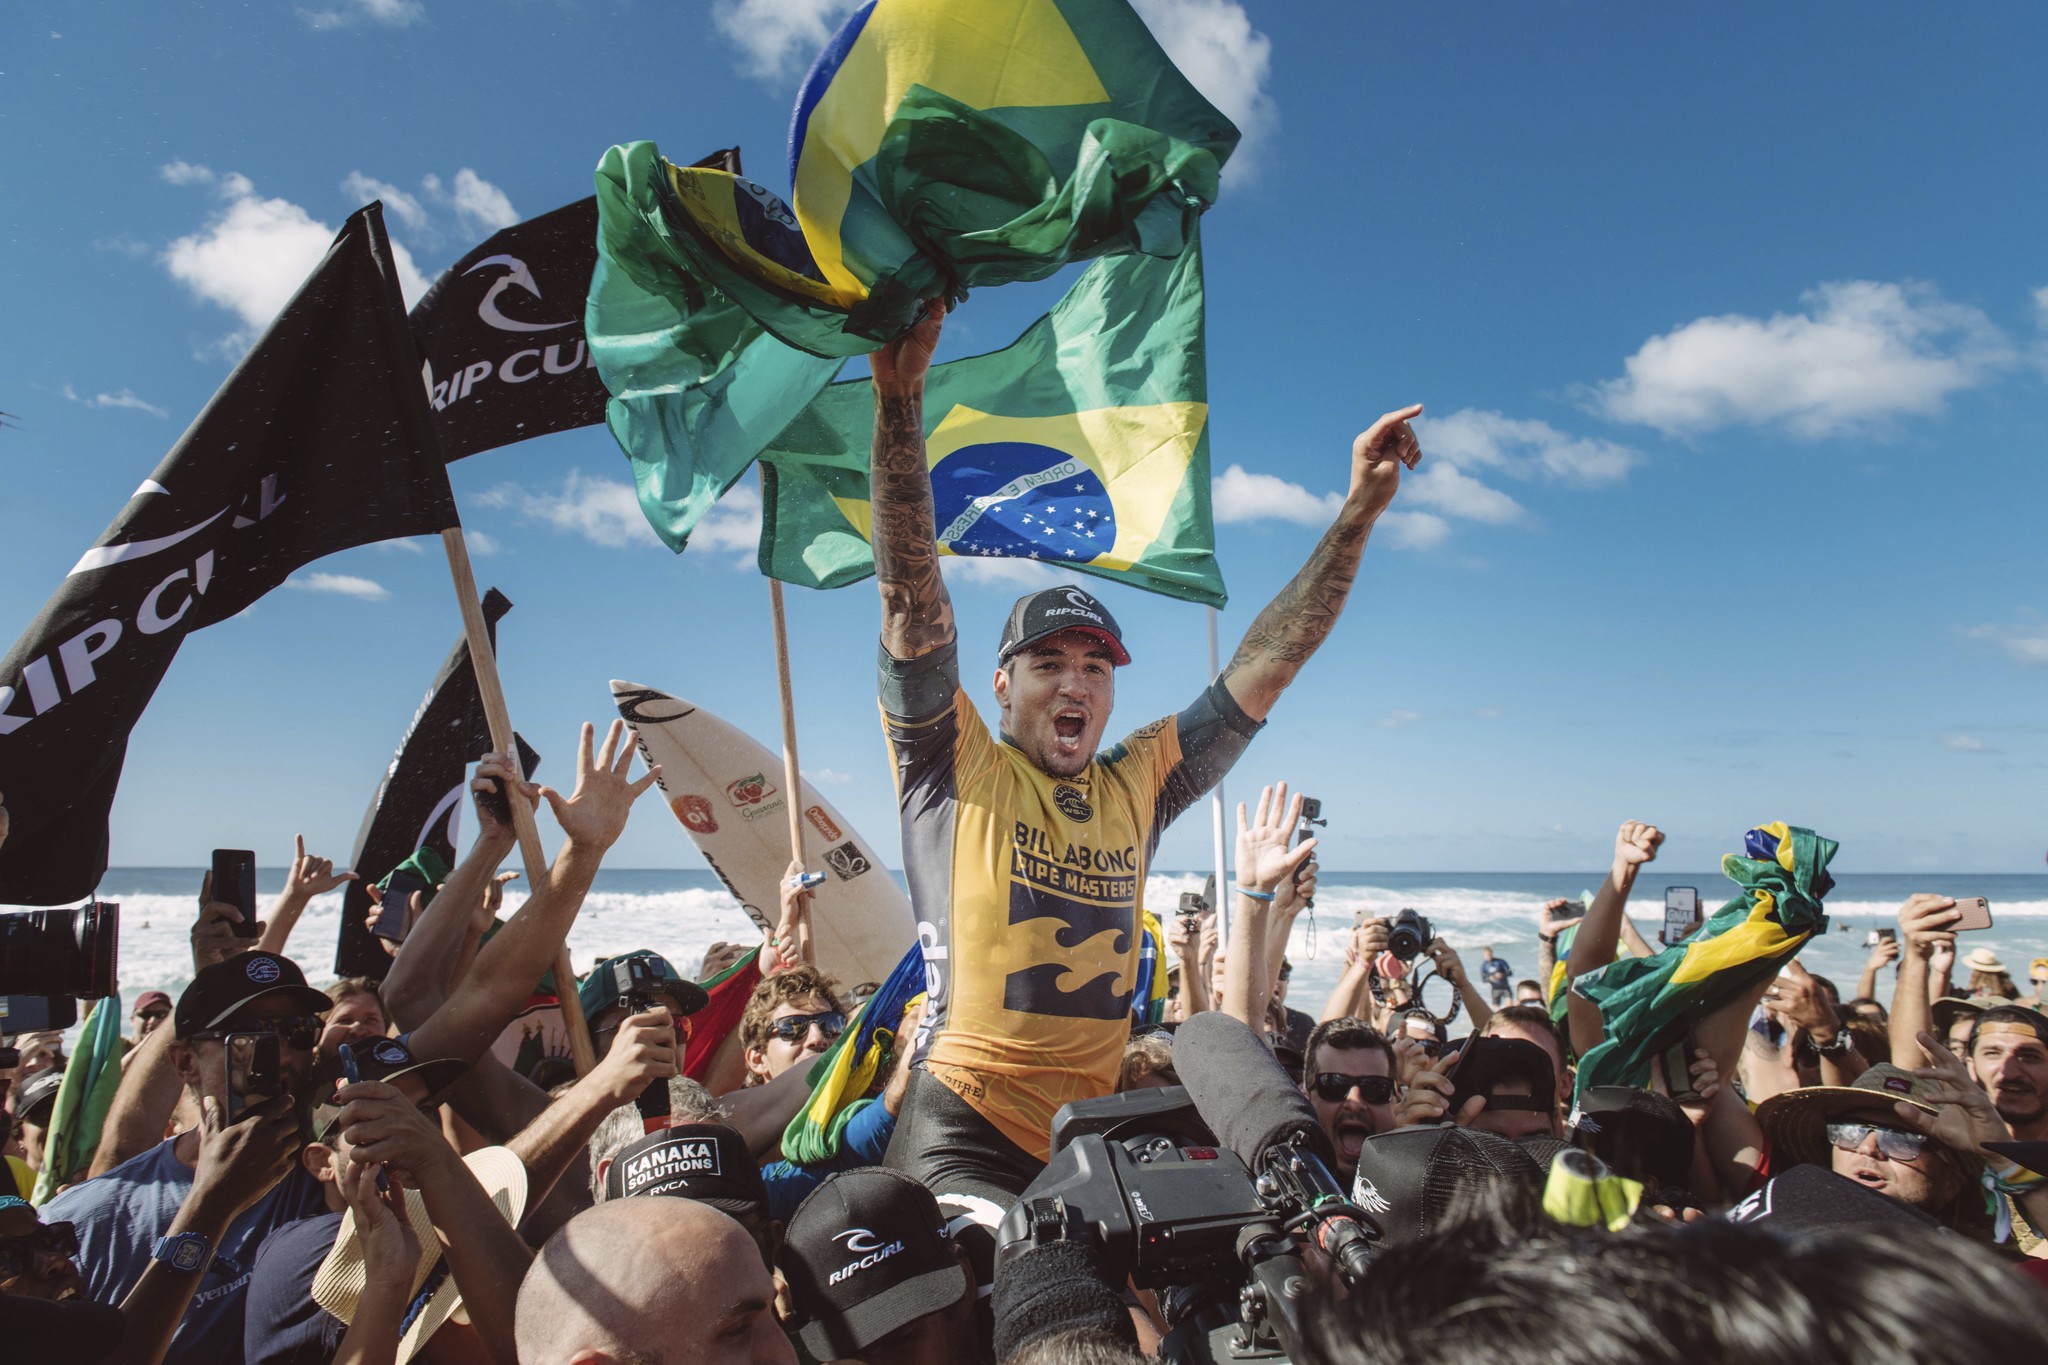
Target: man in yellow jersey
x,y
1026,856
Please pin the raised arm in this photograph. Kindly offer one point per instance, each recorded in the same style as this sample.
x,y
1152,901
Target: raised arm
x,y
1634,844
1924,922
1263,861
310,876
1296,622
917,615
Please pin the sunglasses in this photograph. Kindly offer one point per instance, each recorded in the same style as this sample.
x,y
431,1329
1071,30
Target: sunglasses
x,y
18,1254
1332,1086
1895,1143
791,1028
298,1032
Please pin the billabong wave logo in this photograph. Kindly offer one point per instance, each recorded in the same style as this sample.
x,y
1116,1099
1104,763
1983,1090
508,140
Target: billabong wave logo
x,y
516,275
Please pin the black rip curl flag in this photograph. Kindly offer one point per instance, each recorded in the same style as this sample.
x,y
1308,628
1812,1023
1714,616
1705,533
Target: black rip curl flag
x,y
423,793
501,332
320,440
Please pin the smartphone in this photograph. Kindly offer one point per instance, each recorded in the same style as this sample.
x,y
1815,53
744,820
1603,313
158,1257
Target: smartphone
x,y
1678,1060
1976,913
1877,936
234,882
1681,912
255,1071
395,910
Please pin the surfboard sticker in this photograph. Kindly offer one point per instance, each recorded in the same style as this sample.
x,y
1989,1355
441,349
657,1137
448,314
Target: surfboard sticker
x,y
726,791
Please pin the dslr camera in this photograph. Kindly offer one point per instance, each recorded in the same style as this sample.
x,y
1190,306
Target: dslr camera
x,y
1410,935
52,959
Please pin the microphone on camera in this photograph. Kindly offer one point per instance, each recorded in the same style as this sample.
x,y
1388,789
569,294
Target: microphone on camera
x,y
1242,1092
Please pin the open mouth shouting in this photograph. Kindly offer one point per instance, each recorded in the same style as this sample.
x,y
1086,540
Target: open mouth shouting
x,y
1069,723
1352,1131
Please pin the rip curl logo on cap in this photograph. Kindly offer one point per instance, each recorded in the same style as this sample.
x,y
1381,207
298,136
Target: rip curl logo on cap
x,y
859,1241
388,1051
263,970
871,1249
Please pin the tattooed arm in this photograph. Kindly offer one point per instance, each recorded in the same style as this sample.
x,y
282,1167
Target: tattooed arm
x,y
1297,621
917,615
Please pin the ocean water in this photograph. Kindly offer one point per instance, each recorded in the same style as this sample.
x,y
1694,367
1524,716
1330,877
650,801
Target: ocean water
x,y
681,913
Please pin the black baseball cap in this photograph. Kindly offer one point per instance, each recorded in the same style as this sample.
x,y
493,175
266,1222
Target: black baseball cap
x,y
382,1059
708,1162
1814,1199
865,1254
35,1099
597,990
1047,613
218,991
1408,1179
1638,1133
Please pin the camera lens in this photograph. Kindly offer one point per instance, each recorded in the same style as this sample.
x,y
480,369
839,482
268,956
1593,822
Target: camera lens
x,y
60,952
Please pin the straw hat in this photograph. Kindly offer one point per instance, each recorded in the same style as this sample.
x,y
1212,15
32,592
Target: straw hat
x,y
338,1284
1983,960
1797,1121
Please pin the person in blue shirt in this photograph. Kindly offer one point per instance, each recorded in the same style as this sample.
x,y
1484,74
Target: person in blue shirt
x,y
1498,976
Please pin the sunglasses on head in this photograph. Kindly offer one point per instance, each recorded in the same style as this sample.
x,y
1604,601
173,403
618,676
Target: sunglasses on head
x,y
1331,1087
1895,1143
18,1254
791,1028
298,1032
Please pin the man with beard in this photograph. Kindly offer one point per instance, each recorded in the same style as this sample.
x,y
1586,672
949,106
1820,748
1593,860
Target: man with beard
x,y
1348,1075
1026,855
2009,1056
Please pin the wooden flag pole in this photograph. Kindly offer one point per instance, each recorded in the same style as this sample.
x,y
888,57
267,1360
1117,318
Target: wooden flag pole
x,y
485,661
792,778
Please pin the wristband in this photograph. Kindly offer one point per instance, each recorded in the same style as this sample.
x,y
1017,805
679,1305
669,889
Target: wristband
x,y
1840,1045
184,1254
1246,891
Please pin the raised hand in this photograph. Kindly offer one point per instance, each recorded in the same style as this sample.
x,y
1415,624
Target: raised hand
x,y
493,900
791,941
240,1162
496,773
1448,964
902,363
1634,845
312,876
643,1052
381,1127
1378,456
1965,1118
1428,1099
594,815
1264,859
1924,923
391,1251
1801,1003
213,935
1886,950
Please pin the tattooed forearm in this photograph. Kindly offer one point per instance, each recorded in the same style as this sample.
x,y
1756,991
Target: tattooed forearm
x,y
917,615
1297,621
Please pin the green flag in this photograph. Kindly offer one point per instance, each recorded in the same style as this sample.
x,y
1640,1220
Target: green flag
x,y
1648,1003
1084,443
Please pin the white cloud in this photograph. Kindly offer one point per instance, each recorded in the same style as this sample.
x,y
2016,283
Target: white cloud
x,y
1413,530
479,542
1217,49
480,204
1239,495
1966,744
2026,640
607,512
124,399
1443,486
1862,352
410,545
1398,720
254,253
361,189
1524,449
778,38
993,572
390,13
340,584
828,777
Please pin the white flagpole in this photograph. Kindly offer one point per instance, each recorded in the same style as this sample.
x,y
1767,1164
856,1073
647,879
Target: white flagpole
x,y
1222,906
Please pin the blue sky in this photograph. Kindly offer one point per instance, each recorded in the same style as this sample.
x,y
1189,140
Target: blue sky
x,y
1729,322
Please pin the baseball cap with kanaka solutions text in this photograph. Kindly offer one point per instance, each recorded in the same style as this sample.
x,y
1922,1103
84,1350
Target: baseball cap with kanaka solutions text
x,y
708,1162
226,987
865,1254
1045,614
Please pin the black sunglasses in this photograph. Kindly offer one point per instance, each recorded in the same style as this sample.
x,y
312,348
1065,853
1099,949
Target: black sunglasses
x,y
298,1031
791,1028
1332,1086
18,1254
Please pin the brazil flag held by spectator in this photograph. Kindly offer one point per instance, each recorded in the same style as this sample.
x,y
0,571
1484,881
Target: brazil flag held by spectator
x,y
1648,1003
1083,443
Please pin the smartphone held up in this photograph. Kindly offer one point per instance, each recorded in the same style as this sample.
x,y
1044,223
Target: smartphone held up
x,y
234,883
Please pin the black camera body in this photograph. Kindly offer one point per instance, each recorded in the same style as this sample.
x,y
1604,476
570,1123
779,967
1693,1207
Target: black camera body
x,y
51,959
640,985
1410,935
1141,1178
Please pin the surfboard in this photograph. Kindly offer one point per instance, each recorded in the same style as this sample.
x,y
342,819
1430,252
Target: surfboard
x,y
726,789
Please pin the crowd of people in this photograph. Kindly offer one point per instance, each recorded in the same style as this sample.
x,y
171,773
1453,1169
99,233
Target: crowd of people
x,y
1802,1176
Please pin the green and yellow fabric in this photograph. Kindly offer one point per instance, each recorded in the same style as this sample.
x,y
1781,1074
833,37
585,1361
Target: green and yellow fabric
x,y
1648,1003
841,1078
90,1080
1084,443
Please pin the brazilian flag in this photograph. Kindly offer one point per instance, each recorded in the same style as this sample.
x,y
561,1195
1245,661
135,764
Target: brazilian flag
x,y
1084,443
941,145
1648,1003
841,1078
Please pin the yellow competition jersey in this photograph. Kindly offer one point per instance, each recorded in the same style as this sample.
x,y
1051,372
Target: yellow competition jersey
x,y
1028,888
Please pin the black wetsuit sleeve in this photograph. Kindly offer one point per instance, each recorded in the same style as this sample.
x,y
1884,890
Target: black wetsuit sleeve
x,y
918,689
1213,732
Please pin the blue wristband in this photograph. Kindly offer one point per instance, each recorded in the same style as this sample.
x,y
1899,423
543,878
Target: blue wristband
x,y
1255,895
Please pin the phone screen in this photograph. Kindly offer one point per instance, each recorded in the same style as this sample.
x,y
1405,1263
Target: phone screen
x,y
234,882
255,1071
1681,912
